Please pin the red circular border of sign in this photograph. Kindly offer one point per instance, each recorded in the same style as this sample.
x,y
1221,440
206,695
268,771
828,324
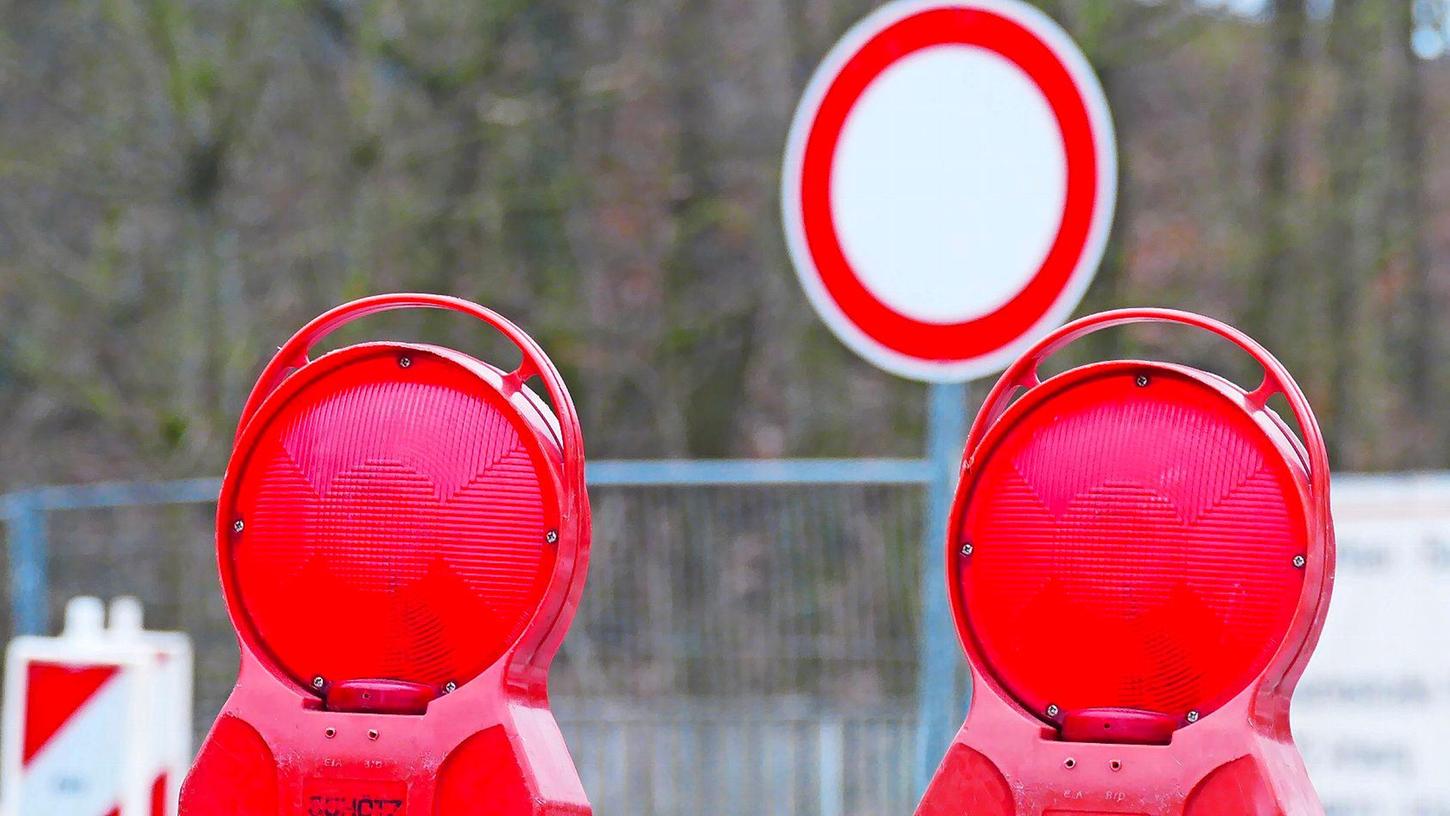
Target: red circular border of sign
x,y
950,342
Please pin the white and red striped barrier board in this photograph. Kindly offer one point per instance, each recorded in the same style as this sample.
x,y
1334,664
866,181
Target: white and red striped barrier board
x,y
91,720
170,699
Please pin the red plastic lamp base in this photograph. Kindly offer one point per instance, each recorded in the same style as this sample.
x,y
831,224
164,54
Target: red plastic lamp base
x,y
1140,560
403,534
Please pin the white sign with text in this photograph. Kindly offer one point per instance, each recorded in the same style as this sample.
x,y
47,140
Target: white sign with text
x,y
1373,710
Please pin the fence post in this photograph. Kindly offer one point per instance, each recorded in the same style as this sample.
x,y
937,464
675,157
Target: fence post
x,y
831,765
29,585
938,711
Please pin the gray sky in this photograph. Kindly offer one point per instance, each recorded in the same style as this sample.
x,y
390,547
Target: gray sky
x,y
1431,41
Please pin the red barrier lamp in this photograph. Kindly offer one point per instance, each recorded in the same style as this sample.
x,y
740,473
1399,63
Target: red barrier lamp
x,y
402,535
1140,559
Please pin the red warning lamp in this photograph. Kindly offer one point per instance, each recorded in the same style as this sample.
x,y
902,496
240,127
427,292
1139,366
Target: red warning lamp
x,y
1140,561
403,532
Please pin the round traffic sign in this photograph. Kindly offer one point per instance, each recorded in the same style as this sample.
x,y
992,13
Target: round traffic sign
x,y
949,183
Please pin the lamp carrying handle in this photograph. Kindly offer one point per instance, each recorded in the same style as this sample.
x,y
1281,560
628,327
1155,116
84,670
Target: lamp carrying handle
x,y
294,353
1023,374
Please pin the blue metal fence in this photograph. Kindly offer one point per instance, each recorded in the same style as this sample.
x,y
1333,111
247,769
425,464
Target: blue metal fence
x,y
29,519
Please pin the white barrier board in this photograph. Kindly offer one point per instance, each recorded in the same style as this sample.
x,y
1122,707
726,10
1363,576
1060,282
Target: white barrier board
x,y
1373,710
97,722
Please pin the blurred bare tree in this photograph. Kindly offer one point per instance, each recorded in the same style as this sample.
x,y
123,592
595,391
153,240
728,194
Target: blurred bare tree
x,y
183,183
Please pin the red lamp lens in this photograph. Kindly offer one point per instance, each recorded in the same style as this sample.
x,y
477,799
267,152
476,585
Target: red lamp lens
x,y
395,512
1133,545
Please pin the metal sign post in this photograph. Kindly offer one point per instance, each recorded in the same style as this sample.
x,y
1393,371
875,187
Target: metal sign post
x,y
938,708
29,587
947,193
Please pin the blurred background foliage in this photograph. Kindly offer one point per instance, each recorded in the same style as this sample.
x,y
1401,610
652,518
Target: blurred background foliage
x,y
182,184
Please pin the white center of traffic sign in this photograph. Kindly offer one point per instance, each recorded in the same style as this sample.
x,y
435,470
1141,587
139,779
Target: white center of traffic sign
x,y
949,184
899,208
